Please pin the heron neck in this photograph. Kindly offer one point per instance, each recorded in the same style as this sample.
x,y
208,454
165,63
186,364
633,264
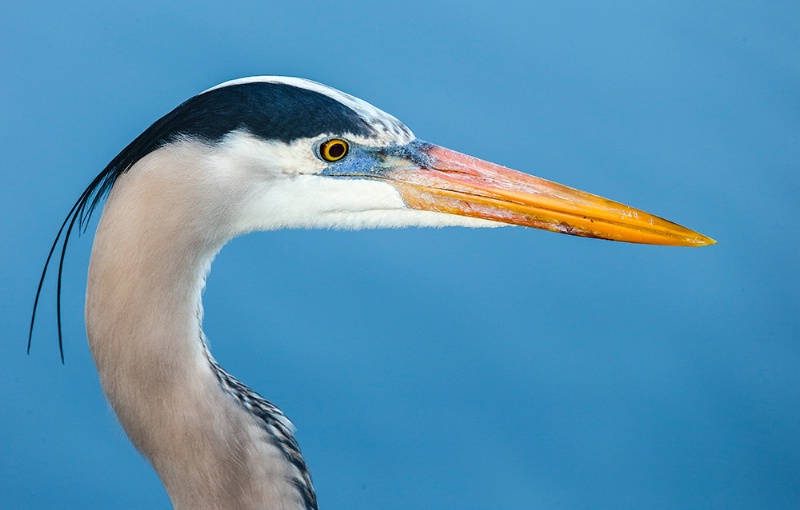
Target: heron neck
x,y
150,257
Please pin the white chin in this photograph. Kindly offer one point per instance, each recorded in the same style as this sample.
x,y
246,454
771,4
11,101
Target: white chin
x,y
399,218
313,201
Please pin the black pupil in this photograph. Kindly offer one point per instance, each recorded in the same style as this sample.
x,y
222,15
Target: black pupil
x,y
336,150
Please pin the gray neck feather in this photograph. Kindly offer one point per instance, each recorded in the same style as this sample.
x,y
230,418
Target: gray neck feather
x,y
214,442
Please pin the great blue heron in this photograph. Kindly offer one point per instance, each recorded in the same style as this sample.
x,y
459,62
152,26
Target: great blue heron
x,y
266,153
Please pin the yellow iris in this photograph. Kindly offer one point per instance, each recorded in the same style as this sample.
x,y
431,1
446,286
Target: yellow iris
x,y
333,149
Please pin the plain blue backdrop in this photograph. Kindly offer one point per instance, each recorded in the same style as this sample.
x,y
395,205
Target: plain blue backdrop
x,y
454,368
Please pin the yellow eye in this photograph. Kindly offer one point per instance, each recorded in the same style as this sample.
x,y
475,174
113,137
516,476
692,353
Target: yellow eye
x,y
333,149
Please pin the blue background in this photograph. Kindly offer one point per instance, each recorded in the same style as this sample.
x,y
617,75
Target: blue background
x,y
454,368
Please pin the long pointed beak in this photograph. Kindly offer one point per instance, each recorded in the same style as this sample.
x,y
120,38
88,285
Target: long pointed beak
x,y
451,182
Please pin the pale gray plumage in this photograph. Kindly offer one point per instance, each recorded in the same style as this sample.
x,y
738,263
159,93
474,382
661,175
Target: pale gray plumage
x,y
154,244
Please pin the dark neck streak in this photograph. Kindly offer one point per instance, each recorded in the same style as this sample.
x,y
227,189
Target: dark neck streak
x,y
278,427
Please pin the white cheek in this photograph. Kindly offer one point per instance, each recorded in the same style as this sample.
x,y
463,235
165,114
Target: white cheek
x,y
306,201
251,157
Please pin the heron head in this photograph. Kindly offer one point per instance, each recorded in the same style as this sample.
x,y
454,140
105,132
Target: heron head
x,y
289,152
350,165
